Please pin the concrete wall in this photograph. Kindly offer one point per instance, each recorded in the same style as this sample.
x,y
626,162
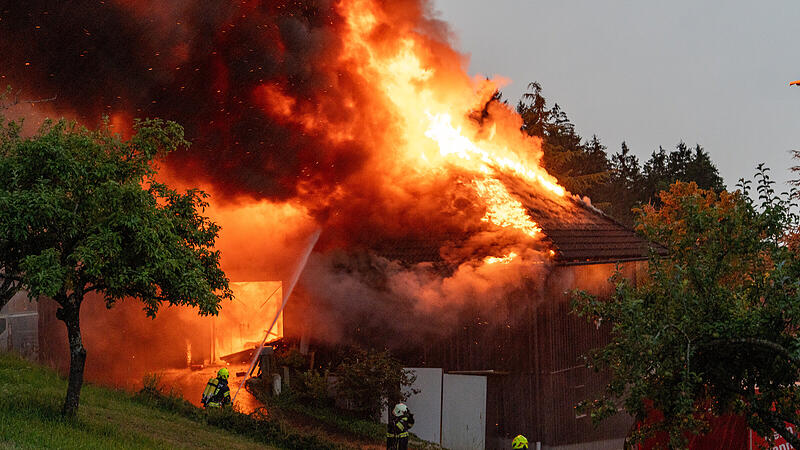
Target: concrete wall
x,y
464,412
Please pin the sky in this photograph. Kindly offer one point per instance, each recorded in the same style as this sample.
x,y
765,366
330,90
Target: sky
x,y
714,73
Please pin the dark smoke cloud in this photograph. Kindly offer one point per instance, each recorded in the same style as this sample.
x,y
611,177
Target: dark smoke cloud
x,y
222,69
198,63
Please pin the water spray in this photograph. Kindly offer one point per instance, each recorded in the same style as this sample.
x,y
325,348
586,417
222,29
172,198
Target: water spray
x,y
292,282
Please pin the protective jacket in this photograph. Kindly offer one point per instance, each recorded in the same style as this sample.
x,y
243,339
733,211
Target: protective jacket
x,y
217,393
397,431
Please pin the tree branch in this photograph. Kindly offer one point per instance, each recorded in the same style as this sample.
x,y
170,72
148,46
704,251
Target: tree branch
x,y
776,348
8,288
17,101
688,341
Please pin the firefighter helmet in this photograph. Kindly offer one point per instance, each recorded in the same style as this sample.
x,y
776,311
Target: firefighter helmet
x,y
519,442
223,374
400,409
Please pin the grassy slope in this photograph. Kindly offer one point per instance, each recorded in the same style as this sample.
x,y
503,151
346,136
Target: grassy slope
x,y
335,424
30,401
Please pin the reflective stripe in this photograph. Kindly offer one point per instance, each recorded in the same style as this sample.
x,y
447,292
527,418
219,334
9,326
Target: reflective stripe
x,y
390,435
403,434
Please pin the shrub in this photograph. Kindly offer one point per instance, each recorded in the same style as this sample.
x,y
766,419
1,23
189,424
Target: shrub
x,y
154,393
258,426
293,359
367,380
312,387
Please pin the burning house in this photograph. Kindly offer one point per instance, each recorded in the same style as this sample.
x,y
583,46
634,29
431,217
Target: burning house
x,y
443,236
520,349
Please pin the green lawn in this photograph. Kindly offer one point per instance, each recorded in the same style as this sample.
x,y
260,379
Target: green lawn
x,y
30,401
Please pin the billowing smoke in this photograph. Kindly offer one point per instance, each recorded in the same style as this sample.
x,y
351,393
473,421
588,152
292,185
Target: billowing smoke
x,y
353,116
201,64
368,298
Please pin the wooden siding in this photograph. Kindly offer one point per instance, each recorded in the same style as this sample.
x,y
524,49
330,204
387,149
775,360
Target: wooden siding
x,y
535,345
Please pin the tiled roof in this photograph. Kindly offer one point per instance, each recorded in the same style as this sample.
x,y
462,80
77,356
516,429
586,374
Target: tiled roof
x,y
575,230
578,231
597,244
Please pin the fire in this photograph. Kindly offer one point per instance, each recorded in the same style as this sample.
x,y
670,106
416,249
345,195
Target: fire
x,y
502,209
502,260
243,323
452,142
432,117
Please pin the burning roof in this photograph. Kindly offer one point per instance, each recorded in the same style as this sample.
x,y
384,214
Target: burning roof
x,y
574,230
353,116
579,232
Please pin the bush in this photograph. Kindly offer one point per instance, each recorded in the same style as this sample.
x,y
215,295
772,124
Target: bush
x,y
367,380
293,359
154,393
312,387
260,427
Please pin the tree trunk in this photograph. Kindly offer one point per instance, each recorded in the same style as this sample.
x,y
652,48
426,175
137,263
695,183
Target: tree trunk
x,y
70,314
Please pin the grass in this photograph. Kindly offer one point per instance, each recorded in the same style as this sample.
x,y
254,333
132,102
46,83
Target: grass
x,y
331,417
328,418
30,405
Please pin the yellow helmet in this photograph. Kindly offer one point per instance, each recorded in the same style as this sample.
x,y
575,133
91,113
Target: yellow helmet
x,y
519,442
223,374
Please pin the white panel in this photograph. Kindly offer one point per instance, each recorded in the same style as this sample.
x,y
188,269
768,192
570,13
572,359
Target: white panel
x,y
464,412
426,405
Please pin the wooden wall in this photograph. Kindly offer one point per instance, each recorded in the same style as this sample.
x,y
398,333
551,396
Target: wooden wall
x,y
536,344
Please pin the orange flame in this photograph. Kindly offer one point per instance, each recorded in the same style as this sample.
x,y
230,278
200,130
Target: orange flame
x,y
502,260
432,114
502,209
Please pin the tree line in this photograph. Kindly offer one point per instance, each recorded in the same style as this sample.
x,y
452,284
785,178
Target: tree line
x,y
618,182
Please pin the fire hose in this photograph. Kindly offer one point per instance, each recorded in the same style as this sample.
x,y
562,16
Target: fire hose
x,y
295,276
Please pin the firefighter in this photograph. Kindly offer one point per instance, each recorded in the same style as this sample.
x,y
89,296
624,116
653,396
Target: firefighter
x,y
400,421
217,392
519,442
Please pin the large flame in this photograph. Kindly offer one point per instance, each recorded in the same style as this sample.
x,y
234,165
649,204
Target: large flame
x,y
429,107
428,110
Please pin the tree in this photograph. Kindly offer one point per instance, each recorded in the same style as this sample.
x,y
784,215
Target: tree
x,y
624,187
80,213
714,327
630,186
681,164
579,167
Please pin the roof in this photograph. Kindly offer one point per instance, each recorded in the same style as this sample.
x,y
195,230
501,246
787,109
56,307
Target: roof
x,y
577,232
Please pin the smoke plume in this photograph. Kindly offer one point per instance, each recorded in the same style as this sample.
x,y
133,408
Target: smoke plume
x,y
355,116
